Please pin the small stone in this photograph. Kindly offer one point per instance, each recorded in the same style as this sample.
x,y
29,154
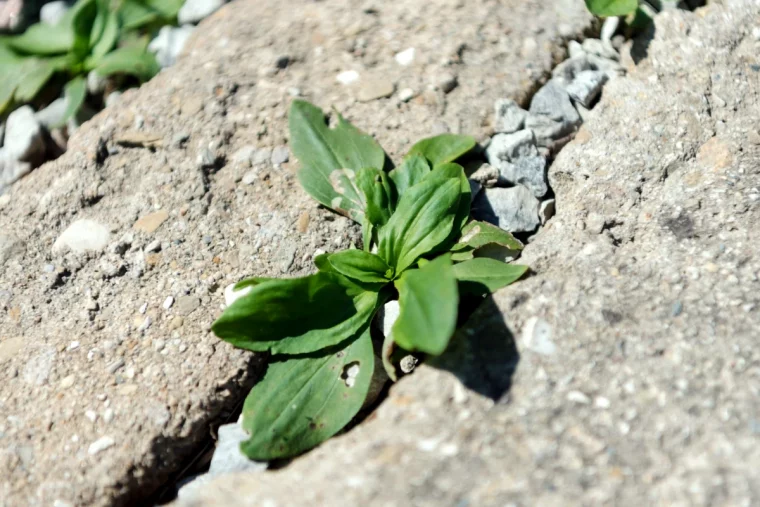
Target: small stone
x,y
508,116
375,89
262,156
244,155
91,415
231,295
602,402
487,175
408,364
406,95
447,82
187,304
168,44
83,236
546,131
176,323
546,210
24,137
116,365
586,86
168,302
249,178
153,246
53,114
51,13
347,77
554,102
108,415
280,155
509,147
578,397
575,50
600,48
68,381
513,209
149,223
113,98
206,159
527,171
537,336
567,70
193,11
143,308
73,346
100,445
405,57
96,84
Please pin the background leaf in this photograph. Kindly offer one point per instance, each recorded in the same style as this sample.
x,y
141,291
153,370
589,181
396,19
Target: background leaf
x,y
443,148
42,39
612,7
35,73
329,157
303,401
129,60
108,37
362,266
422,221
483,276
75,93
297,316
428,300
411,171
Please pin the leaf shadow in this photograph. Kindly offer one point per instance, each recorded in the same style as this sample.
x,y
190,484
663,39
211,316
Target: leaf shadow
x,y
483,354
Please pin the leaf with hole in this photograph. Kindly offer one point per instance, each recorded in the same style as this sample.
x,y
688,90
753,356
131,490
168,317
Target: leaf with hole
x,y
443,148
297,316
423,220
483,276
605,8
428,300
361,265
330,158
303,401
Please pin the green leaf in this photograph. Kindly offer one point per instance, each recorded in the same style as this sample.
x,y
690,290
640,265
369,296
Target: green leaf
x,y
368,234
449,170
361,265
378,195
303,401
35,74
108,37
607,8
134,14
482,275
42,39
297,316
477,234
75,93
443,148
86,25
411,171
428,300
133,61
168,9
422,221
330,158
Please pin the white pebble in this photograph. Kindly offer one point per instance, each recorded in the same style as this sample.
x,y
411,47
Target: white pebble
x,y
578,397
143,308
602,402
73,346
91,415
108,415
100,445
405,57
347,77
168,302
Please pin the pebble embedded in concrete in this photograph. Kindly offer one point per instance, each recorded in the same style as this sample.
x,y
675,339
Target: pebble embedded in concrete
x,y
84,235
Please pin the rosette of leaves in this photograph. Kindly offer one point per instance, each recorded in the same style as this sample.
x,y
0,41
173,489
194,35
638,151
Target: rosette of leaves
x,y
107,37
420,247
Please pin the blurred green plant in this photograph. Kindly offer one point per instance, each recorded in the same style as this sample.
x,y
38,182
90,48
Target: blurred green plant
x,y
108,37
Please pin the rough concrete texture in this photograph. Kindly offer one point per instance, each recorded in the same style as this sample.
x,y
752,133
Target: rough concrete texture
x,y
638,379
107,385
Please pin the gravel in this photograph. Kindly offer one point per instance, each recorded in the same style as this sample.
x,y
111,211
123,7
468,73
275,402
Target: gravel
x,y
508,116
194,11
514,209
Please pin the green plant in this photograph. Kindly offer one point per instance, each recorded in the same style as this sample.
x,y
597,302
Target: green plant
x,y
605,8
93,35
419,248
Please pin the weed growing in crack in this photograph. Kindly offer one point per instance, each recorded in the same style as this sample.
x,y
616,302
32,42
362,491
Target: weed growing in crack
x,y
420,248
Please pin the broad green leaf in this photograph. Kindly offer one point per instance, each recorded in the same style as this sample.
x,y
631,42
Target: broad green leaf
x,y
303,401
35,74
250,282
108,37
297,316
411,171
605,8
443,148
132,61
441,173
368,234
7,55
377,193
330,158
135,14
75,92
477,234
428,300
168,9
483,275
361,265
422,221
86,25
42,39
